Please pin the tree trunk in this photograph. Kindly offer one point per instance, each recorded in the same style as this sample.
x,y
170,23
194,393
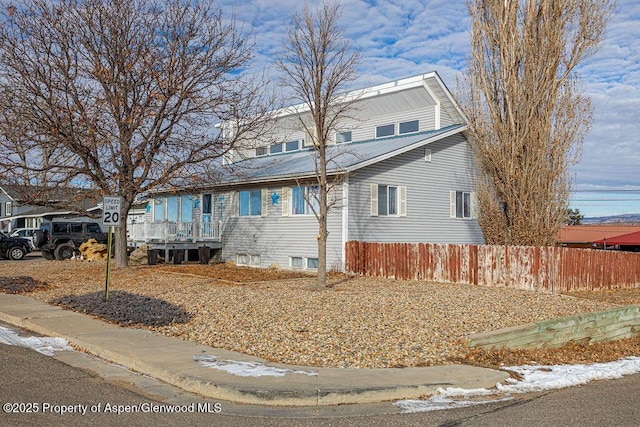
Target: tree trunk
x,y
120,235
322,256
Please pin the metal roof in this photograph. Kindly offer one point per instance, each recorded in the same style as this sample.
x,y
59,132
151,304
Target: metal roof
x,y
630,239
343,157
593,233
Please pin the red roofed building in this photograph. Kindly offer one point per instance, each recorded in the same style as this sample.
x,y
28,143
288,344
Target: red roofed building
x,y
624,242
587,236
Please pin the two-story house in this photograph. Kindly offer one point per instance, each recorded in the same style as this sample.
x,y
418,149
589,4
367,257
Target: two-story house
x,y
401,166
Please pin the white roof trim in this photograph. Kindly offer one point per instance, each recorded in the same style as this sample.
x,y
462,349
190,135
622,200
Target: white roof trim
x,y
381,89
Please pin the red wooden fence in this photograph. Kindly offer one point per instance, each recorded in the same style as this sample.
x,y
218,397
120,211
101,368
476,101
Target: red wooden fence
x,y
548,269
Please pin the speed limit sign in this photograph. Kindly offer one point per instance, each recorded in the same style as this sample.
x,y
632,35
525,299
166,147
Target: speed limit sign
x,y
111,213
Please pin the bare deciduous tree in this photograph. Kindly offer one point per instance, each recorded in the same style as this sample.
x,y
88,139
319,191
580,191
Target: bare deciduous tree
x,y
123,96
527,109
317,64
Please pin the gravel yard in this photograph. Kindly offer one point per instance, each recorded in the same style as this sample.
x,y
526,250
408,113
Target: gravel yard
x,y
281,316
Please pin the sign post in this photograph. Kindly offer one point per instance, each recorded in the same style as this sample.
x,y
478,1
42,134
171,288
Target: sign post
x,y
111,217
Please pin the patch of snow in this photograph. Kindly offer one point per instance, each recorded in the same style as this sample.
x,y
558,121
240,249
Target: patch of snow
x,y
439,402
45,345
246,369
534,379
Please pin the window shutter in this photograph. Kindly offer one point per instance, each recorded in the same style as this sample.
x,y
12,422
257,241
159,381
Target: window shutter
x,y
284,198
403,200
374,199
234,204
452,203
474,205
264,199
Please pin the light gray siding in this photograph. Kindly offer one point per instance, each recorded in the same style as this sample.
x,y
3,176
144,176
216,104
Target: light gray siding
x,y
275,237
428,186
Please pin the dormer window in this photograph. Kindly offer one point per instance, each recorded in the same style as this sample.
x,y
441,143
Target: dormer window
x,y
342,137
408,127
403,128
276,148
385,130
292,146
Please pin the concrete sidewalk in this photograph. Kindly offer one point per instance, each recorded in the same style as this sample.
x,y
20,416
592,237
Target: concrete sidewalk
x,y
231,376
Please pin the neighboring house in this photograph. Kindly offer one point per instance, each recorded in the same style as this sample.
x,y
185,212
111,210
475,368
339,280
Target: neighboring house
x,y
403,171
626,242
588,236
18,210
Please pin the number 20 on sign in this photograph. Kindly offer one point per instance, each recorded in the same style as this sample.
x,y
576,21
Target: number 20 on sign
x,y
111,211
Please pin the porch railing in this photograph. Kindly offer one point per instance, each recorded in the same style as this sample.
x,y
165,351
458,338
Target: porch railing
x,y
174,231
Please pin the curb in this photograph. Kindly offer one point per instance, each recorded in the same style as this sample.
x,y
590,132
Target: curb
x,y
172,360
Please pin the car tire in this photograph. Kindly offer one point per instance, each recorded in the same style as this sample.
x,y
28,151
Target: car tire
x,y
47,254
38,238
16,253
64,251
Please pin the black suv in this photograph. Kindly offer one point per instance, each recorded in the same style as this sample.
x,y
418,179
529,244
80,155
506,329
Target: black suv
x,y
59,239
14,247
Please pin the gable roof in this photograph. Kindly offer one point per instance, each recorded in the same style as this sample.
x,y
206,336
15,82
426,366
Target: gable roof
x,y
344,157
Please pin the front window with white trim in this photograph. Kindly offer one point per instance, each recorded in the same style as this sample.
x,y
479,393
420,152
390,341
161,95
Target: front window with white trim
x,y
462,204
248,259
250,203
388,200
305,200
303,263
296,262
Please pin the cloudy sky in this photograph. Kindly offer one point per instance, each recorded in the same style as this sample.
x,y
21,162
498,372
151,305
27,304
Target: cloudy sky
x,y
402,38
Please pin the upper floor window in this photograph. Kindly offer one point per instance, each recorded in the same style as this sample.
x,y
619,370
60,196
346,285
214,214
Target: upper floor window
x,y
276,148
7,208
403,128
292,145
342,137
250,203
385,130
261,151
408,127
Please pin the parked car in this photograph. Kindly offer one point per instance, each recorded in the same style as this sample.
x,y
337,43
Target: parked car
x,y
26,233
15,248
60,238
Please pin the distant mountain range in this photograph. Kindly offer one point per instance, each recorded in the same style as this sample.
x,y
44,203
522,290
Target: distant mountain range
x,y
614,219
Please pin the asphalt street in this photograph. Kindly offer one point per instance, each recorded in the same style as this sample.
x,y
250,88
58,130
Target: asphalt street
x,y
40,389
